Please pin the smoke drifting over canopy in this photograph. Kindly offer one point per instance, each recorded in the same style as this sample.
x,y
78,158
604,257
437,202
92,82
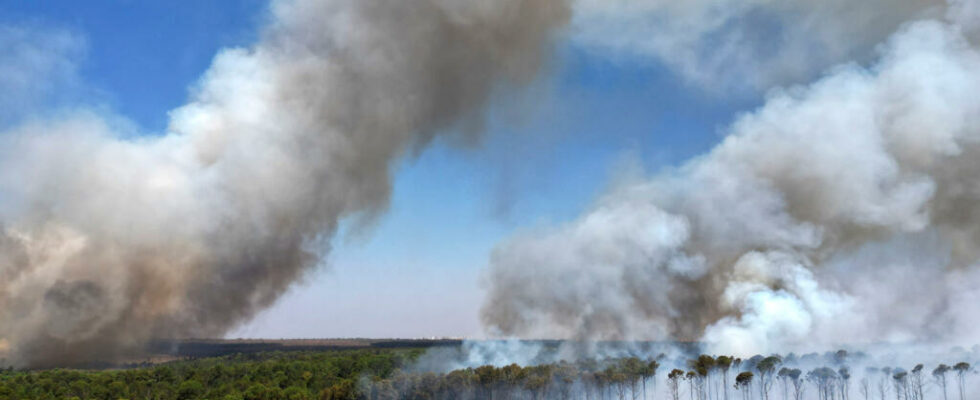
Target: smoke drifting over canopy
x,y
837,213
109,239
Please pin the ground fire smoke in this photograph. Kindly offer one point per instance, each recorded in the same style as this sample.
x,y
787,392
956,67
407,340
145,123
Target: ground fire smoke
x,y
108,240
839,212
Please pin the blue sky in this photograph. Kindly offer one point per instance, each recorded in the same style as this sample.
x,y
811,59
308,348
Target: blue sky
x,y
543,159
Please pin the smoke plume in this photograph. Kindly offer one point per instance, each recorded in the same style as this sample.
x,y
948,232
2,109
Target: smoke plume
x,y
726,45
109,238
841,212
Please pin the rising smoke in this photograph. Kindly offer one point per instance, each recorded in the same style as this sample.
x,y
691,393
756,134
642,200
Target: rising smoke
x,y
837,211
841,212
109,239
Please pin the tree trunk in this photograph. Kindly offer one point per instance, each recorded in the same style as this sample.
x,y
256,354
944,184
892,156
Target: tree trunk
x,y
724,378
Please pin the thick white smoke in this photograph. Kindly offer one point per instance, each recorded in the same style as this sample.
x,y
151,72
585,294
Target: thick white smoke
x,y
109,239
840,212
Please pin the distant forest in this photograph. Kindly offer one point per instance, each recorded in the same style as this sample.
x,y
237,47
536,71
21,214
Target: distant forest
x,y
388,373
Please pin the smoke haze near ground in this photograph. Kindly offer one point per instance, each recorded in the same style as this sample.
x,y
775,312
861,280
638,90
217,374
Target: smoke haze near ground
x,y
109,239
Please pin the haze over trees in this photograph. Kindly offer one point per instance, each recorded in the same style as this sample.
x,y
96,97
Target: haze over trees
x,y
394,374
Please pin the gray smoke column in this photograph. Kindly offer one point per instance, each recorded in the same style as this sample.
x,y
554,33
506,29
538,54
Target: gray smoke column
x,y
846,211
109,239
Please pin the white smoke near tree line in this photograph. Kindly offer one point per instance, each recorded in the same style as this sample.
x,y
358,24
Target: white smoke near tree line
x,y
839,212
110,239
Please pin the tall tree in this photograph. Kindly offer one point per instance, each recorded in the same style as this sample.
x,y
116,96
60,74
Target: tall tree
x,y
915,379
783,377
866,382
724,363
692,378
824,379
649,372
961,369
883,382
845,381
795,377
673,383
939,374
633,369
766,368
704,366
900,377
743,382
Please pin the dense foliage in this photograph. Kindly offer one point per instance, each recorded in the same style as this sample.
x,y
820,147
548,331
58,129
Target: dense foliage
x,y
278,375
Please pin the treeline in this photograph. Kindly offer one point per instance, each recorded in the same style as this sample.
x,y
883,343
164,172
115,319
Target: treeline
x,y
385,374
826,377
261,376
626,378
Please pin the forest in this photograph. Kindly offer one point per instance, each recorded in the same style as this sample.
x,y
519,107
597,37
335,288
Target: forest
x,y
383,374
